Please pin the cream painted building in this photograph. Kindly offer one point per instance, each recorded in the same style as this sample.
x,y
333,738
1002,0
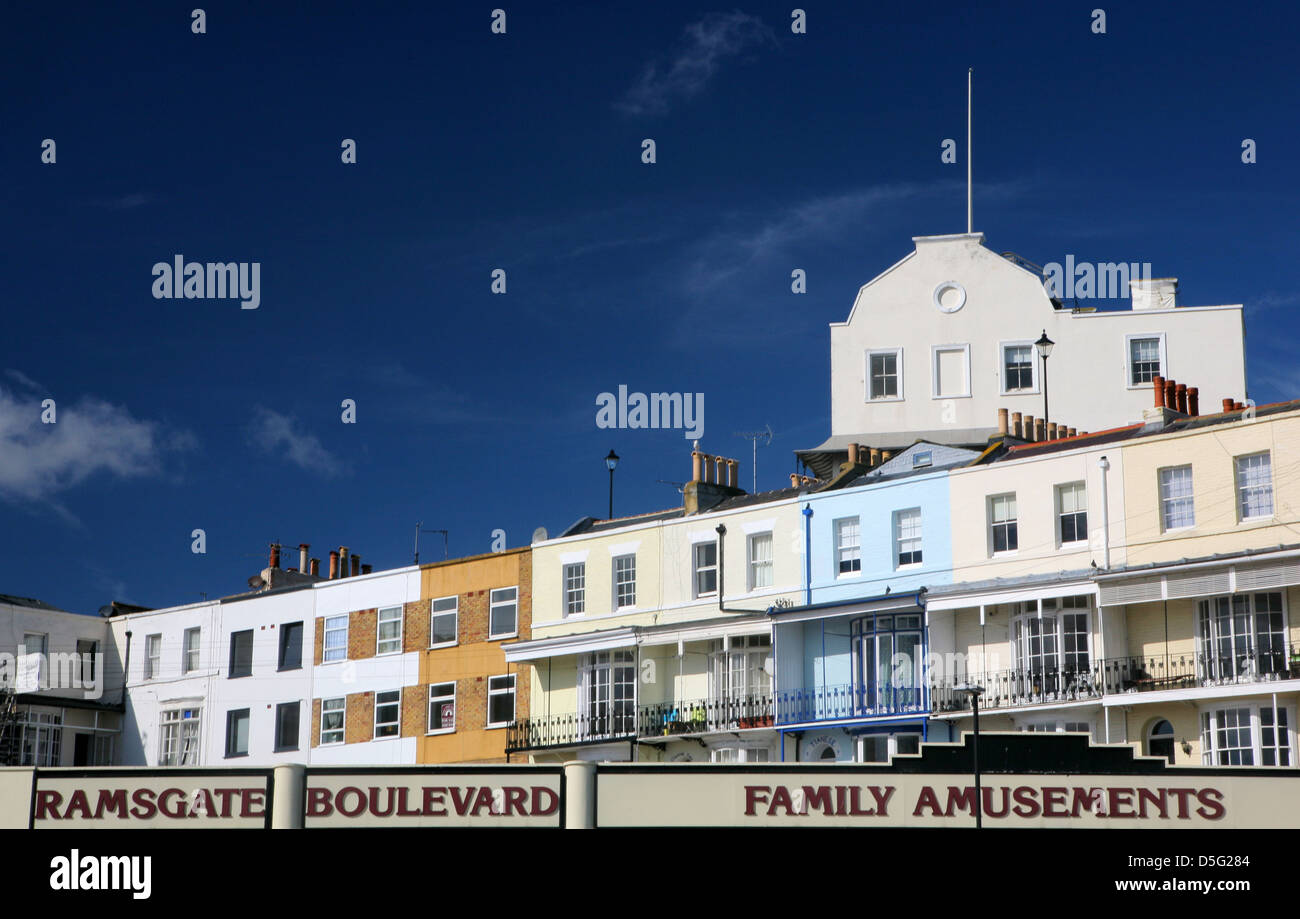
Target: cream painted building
x,y
650,632
940,340
1185,643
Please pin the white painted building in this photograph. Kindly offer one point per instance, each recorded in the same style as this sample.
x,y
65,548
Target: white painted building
x,y
59,672
942,339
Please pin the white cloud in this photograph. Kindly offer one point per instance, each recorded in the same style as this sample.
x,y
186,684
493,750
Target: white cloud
x,y
88,437
23,379
707,44
275,433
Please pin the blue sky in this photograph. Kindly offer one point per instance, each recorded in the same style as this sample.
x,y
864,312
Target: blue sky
x,y
522,151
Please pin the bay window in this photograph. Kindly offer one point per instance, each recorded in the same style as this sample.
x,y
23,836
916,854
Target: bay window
x,y
1242,636
607,690
1246,735
888,663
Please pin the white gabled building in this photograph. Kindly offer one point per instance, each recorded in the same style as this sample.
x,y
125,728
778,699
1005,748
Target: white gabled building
x,y
942,339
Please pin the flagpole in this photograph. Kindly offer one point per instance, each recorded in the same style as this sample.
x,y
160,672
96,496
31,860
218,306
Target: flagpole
x,y
970,173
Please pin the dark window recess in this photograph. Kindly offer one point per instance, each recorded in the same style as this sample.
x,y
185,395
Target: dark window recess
x,y
237,732
291,646
241,653
286,726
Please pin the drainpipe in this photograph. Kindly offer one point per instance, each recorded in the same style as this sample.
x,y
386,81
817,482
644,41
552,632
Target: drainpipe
x,y
1104,465
721,530
126,670
807,554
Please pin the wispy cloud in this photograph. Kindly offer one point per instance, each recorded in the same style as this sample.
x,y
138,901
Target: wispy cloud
x,y
1271,300
281,435
124,202
24,380
87,437
683,74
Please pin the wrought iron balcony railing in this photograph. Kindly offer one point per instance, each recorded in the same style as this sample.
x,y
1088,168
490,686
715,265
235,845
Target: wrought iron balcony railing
x,y
625,722
1025,686
1222,667
830,703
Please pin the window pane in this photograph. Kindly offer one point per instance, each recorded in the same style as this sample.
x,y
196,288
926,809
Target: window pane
x,y
502,617
291,646
1144,359
1018,364
1176,497
241,653
1255,485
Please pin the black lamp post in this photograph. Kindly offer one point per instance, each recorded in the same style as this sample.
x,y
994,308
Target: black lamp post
x,y
974,693
611,461
1044,346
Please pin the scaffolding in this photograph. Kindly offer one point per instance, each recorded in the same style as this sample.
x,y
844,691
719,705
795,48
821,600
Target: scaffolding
x,y
10,729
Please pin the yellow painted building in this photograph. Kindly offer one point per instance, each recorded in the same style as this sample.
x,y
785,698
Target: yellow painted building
x,y
472,695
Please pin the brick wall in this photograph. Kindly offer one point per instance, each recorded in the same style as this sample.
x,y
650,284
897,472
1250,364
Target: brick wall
x,y
315,722
415,715
415,625
320,639
362,626
359,720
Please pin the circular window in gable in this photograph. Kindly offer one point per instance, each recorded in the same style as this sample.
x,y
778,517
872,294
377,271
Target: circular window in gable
x,y
949,297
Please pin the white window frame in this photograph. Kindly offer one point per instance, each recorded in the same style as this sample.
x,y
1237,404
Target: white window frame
x,y
186,665
179,722
328,630
380,622
616,583
995,552
42,643
231,721
898,365
1053,609
1166,502
898,538
1128,358
1240,488
152,655
891,745
573,588
494,603
376,723
697,569
86,659
441,699
1209,716
841,548
1033,365
342,729
42,734
753,564
934,371
511,692
744,753
1060,512
454,613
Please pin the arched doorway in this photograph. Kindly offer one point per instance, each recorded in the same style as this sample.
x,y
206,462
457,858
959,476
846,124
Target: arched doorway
x,y
1160,740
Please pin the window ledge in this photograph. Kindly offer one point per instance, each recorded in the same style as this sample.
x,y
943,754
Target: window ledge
x,y
443,644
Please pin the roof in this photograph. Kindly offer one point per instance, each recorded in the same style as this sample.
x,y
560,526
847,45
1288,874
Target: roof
x,y
1027,580
30,603
1200,559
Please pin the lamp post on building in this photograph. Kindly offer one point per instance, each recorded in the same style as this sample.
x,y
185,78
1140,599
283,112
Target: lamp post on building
x,y
611,461
1044,346
974,693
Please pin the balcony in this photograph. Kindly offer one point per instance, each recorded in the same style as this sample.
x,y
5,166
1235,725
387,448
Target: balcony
x,y
1011,688
1112,676
1189,671
628,723
835,703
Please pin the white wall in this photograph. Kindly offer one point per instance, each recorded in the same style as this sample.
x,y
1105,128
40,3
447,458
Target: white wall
x,y
1087,384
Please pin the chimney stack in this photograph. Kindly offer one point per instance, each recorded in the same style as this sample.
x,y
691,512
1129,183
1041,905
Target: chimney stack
x,y
1051,430
1193,402
1017,431
343,561
334,564
315,567
794,480
356,565
1029,428
1227,405
1180,396
697,460
303,548
1040,430
365,569
1158,384
1171,397
1002,422
275,555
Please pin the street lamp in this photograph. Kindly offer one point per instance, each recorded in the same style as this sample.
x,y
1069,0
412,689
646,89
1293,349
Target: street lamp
x,y
974,693
611,461
1044,346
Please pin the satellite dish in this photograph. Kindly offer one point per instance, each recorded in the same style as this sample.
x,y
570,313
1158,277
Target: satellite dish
x,y
540,535
255,582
